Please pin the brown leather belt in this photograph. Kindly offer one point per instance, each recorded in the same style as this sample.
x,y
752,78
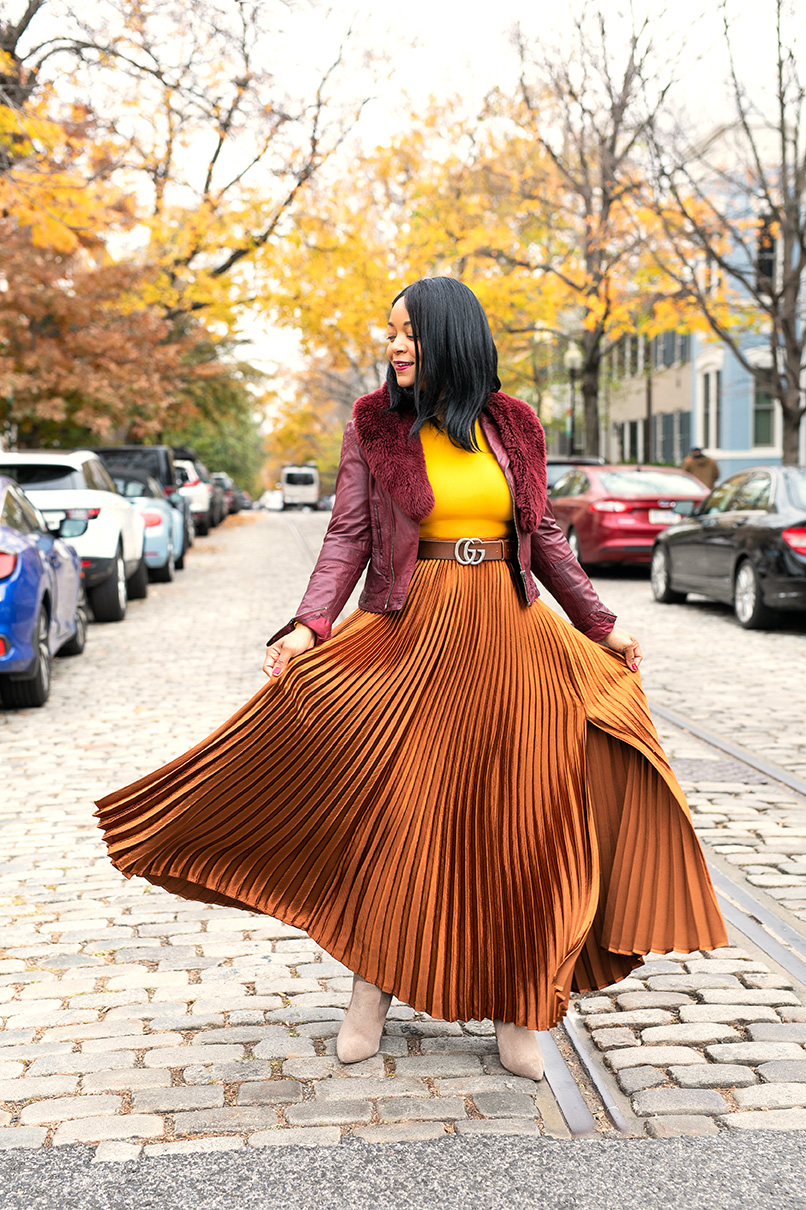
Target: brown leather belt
x,y
467,551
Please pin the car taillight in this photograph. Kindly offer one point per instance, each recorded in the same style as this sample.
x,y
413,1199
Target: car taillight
x,y
82,514
7,564
796,538
86,563
191,483
152,519
170,489
5,646
609,506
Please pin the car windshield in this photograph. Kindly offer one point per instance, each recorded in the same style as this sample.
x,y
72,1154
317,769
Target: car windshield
x,y
43,477
298,478
555,470
797,486
138,460
646,483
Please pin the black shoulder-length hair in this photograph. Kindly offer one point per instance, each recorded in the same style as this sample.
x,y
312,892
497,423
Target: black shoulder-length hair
x,y
456,366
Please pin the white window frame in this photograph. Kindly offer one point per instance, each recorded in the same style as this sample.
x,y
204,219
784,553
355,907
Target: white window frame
x,y
708,362
761,357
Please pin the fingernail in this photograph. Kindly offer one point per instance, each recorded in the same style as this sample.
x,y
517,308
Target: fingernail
x,y
634,667
276,671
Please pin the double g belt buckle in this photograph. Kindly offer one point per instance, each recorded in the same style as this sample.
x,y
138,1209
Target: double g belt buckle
x,y
469,551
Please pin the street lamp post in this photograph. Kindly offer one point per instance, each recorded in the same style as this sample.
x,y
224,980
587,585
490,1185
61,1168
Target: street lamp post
x,y
573,364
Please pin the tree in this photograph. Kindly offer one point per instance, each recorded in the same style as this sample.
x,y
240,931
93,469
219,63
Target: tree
x,y
734,210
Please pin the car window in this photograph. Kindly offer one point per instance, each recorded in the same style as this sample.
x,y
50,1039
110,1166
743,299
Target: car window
x,y
97,476
753,494
647,483
145,458
560,483
11,514
155,489
34,522
721,498
43,476
797,487
131,488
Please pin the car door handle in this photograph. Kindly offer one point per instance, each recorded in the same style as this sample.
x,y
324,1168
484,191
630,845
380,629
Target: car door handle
x,y
740,521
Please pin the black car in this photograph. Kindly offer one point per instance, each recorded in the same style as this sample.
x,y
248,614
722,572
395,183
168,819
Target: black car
x,y
745,544
557,465
157,461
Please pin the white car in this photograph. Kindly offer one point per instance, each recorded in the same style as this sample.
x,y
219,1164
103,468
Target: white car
x,y
199,493
75,484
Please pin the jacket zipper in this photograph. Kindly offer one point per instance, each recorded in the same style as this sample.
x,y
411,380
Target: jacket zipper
x,y
391,564
517,530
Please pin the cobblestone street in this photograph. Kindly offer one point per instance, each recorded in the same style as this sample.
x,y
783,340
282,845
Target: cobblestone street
x,y
147,1026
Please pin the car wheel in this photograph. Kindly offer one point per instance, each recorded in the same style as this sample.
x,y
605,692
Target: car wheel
x,y
137,585
179,563
165,573
203,525
78,642
109,599
34,690
748,603
659,576
573,542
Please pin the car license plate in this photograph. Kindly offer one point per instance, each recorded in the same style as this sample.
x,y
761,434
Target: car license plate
x,y
661,516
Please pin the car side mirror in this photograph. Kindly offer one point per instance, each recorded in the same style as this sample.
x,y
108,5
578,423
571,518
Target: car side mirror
x,y
686,508
70,528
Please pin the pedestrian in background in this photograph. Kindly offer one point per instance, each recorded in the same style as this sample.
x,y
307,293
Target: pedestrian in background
x,y
701,467
456,793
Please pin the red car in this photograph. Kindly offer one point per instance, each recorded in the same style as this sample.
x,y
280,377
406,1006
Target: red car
x,y
612,514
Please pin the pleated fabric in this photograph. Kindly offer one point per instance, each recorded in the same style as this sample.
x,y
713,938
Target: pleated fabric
x,y
466,802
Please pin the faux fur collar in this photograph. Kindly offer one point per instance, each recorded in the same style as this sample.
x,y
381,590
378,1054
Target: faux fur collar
x,y
397,462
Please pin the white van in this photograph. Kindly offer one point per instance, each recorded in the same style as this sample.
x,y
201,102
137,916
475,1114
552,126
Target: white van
x,y
300,486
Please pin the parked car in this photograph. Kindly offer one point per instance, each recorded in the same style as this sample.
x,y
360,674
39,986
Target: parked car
x,y
198,494
300,486
612,514
157,461
217,510
75,485
165,529
43,609
232,503
557,465
745,545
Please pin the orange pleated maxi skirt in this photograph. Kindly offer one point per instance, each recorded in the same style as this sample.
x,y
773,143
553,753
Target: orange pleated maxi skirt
x,y
466,802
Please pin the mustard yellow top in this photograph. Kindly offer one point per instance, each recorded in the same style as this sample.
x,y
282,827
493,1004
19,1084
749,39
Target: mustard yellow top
x,y
472,496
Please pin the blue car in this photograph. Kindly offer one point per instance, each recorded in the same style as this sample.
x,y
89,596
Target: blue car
x,y
164,547
43,610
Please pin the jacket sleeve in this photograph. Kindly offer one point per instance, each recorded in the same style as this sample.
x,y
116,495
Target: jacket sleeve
x,y
554,564
345,550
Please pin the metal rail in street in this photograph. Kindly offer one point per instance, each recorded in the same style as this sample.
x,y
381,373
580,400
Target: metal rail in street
x,y
560,1079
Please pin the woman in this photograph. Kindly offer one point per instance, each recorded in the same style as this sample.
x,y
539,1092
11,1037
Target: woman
x,y
457,794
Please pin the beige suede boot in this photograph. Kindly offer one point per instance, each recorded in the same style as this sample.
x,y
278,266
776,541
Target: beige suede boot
x,y
519,1050
361,1029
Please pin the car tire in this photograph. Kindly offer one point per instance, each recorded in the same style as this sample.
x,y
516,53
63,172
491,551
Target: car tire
x,y
137,585
203,526
165,574
660,579
109,599
748,602
179,564
34,690
78,642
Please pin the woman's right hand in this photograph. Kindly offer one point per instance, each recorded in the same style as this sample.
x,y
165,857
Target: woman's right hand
x,y
300,639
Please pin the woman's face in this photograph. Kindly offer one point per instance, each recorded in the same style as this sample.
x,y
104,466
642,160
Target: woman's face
x,y
400,345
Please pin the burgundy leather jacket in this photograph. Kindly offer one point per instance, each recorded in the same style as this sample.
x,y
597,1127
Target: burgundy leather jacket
x,y
383,493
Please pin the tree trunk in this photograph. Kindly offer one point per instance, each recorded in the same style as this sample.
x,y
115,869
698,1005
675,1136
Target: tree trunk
x,y
590,402
791,417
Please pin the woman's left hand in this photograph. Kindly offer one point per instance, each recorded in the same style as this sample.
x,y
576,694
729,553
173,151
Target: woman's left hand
x,y
625,644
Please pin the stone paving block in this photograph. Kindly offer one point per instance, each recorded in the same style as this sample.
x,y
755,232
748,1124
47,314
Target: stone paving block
x,y
6,1118
694,1034
242,1033
612,1039
792,1014
633,1079
122,1126
435,1109
594,1004
634,1000
657,966
662,1056
754,1053
116,1153
337,1089
402,1132
76,1064
227,1073
781,981
269,1092
21,1136
460,1045
125,1080
772,1096
783,1071
231,1119
289,1048
329,1113
468,1086
303,1136
505,1105
168,1100
191,1146
318,1029
690,983
439,1065
434,1029
766,1119
10,1071
713,1075
674,1126
137,1041
726,1014
789,1031
498,1126
105,1030
726,966
679,1101
185,1056
28,1087
640,1017
64,1109
746,995
320,1067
